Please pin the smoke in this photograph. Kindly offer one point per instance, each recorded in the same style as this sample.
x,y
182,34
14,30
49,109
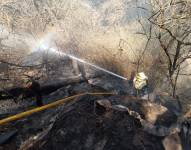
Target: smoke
x,y
91,25
46,44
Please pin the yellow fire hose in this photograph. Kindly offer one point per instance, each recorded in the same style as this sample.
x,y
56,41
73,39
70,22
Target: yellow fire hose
x,y
51,105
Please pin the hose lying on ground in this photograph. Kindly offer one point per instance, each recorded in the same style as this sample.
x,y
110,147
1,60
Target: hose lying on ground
x,y
51,105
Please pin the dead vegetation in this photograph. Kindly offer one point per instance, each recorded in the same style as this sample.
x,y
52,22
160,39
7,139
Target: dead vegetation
x,y
156,40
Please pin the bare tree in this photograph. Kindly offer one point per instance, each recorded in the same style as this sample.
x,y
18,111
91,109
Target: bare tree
x,y
172,30
22,18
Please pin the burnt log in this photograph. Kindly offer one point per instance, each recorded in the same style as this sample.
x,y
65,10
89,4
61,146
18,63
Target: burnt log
x,y
18,92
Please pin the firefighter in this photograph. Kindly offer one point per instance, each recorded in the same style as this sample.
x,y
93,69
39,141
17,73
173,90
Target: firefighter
x,y
140,82
34,87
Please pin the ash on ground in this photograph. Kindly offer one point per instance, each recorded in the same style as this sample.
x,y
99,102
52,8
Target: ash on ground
x,y
97,122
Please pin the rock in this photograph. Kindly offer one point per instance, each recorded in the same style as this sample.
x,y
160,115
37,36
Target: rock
x,y
152,112
170,103
149,127
103,107
172,142
104,103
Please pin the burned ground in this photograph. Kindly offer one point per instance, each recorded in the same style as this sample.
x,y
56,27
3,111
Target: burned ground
x,y
125,122
81,128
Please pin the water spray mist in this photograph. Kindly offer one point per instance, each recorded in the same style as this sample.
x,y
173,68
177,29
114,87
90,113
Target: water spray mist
x,y
44,45
55,51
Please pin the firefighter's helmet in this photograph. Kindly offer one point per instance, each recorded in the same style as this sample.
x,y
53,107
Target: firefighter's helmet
x,y
140,80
